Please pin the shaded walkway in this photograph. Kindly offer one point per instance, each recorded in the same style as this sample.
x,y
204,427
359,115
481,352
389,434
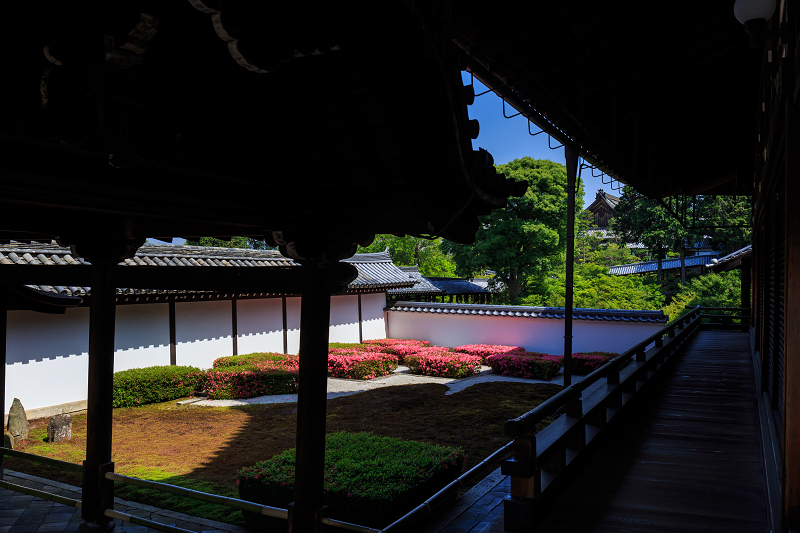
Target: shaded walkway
x,y
687,460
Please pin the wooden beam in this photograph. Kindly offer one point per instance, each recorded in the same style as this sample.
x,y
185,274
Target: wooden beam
x,y
3,353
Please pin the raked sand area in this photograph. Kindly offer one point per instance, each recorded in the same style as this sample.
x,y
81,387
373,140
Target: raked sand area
x,y
344,387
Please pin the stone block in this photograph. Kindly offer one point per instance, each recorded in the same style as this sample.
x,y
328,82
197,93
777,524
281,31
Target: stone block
x,y
9,441
59,428
17,421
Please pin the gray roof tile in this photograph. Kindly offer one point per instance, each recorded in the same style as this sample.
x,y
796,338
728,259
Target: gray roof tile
x,y
619,315
666,264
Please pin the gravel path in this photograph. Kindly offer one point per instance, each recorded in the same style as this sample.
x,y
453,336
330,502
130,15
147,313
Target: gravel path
x,y
344,387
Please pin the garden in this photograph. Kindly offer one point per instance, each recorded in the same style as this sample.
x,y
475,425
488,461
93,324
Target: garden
x,y
386,447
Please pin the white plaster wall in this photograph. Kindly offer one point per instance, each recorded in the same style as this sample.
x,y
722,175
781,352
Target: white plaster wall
x,y
373,325
47,357
344,318
141,336
259,325
293,325
534,334
203,332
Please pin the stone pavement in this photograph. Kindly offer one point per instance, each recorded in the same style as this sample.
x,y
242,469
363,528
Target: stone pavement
x,y
21,513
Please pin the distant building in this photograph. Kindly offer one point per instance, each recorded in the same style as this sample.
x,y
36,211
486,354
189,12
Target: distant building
x,y
602,209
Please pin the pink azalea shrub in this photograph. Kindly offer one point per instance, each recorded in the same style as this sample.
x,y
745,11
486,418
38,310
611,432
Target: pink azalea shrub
x,y
249,359
357,364
441,362
399,347
248,381
485,350
587,362
530,365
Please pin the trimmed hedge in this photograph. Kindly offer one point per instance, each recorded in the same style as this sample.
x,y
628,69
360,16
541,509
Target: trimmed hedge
x,y
250,359
441,362
587,362
355,364
530,365
141,386
369,480
248,381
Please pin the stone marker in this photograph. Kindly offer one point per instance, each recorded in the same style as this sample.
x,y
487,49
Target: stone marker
x,y
17,421
59,428
9,441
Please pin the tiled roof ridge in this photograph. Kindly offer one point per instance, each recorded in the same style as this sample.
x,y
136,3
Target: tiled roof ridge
x,y
528,312
183,250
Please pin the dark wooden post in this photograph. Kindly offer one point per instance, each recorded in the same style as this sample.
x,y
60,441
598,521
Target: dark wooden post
x,y
173,343
571,153
3,358
746,282
97,492
315,311
234,328
360,321
791,375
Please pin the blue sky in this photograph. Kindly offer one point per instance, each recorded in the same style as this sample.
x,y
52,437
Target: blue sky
x,y
508,139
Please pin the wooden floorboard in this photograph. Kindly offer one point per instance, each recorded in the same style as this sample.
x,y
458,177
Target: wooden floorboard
x,y
687,460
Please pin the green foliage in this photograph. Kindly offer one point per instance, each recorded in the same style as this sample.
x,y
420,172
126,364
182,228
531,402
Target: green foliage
x,y
235,242
249,359
586,240
524,241
410,251
710,290
611,254
369,480
725,211
595,288
140,386
344,345
638,218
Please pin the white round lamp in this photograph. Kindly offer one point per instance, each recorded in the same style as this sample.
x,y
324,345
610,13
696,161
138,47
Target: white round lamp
x,y
747,10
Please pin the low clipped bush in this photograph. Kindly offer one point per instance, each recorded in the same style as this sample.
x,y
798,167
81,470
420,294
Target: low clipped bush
x,y
340,345
141,386
369,480
250,359
399,347
587,362
485,350
356,364
248,381
441,362
530,365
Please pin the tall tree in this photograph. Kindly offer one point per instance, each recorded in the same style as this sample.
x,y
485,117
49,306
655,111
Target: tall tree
x,y
525,241
730,211
638,218
410,251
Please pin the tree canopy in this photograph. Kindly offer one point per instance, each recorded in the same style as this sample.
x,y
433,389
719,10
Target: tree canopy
x,y
524,242
410,251
235,242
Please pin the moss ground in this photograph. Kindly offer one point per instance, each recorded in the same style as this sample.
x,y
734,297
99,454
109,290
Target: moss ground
x,y
202,448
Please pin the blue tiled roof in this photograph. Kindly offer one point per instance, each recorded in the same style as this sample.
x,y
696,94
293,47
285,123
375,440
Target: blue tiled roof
x,y
614,315
666,264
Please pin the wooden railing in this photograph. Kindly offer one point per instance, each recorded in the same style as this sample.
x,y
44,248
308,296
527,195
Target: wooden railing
x,y
543,463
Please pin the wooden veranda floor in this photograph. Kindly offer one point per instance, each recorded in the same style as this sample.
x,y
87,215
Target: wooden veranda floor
x,y
689,460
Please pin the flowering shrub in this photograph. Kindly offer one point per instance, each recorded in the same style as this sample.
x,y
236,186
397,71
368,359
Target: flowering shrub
x,y
530,365
369,480
587,362
249,359
355,364
140,386
248,381
399,347
485,350
435,361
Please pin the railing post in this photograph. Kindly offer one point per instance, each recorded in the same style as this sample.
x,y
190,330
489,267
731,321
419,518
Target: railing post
x,y
641,355
660,341
520,507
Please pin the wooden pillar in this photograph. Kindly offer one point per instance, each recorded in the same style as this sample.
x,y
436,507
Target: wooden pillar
x,y
746,267
98,493
3,358
571,154
285,328
315,314
234,328
360,321
791,383
173,341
